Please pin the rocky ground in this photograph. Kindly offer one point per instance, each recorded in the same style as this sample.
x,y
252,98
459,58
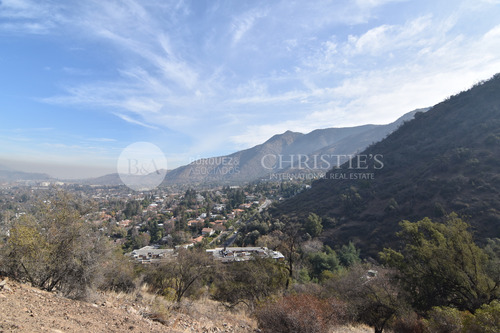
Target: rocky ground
x,y
27,309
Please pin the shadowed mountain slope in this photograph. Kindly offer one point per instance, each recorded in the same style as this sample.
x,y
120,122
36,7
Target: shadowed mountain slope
x,y
446,159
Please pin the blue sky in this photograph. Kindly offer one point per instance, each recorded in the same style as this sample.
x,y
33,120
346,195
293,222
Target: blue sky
x,y
81,80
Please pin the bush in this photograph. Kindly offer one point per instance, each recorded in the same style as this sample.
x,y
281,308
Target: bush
x,y
300,314
118,274
409,323
181,275
55,249
249,282
485,320
444,320
373,293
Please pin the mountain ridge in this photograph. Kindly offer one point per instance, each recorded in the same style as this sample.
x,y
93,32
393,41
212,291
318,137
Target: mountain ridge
x,y
247,165
257,162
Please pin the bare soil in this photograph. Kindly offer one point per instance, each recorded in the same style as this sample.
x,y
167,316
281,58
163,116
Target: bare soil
x,y
27,309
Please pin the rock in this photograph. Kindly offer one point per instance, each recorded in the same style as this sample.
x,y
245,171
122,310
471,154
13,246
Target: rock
x,y
4,286
7,288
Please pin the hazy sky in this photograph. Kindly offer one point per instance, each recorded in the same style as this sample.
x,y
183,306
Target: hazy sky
x,y
81,80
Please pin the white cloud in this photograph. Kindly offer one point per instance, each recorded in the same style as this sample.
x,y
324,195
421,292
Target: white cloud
x,y
440,65
248,72
374,3
386,38
134,121
30,17
242,24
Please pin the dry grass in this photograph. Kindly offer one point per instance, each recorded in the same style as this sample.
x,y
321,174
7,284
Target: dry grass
x,y
352,329
202,315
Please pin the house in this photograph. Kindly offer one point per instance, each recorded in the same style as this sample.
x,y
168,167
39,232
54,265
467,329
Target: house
x,y
124,223
149,254
238,211
219,207
207,231
232,254
197,239
218,225
192,223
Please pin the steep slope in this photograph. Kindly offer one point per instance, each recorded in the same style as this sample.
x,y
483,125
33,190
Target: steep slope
x,y
25,309
447,159
262,160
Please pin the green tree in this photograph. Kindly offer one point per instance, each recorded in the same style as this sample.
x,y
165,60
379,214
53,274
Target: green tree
x,y
441,265
492,249
485,320
323,261
373,294
348,255
249,282
132,208
56,248
313,225
141,240
181,274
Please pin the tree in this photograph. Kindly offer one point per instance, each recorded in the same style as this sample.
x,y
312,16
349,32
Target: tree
x,y
348,255
118,273
323,261
140,240
55,248
249,282
289,246
492,249
132,208
485,320
373,293
313,225
441,265
180,273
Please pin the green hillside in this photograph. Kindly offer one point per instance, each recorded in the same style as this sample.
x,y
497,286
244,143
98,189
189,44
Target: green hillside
x,y
447,159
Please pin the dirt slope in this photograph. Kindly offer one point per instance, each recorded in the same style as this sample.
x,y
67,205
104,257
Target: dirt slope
x,y
27,309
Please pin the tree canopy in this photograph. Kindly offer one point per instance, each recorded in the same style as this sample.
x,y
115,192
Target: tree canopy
x,y
441,265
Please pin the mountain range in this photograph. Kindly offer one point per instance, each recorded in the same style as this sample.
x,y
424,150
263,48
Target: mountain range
x,y
282,156
444,160
10,175
285,154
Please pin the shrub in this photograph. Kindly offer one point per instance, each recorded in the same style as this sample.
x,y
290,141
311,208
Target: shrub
x,y
300,314
409,323
485,320
373,293
249,282
55,249
118,274
180,276
444,320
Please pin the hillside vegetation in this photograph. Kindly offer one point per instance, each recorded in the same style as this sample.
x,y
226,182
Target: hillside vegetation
x,y
445,160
